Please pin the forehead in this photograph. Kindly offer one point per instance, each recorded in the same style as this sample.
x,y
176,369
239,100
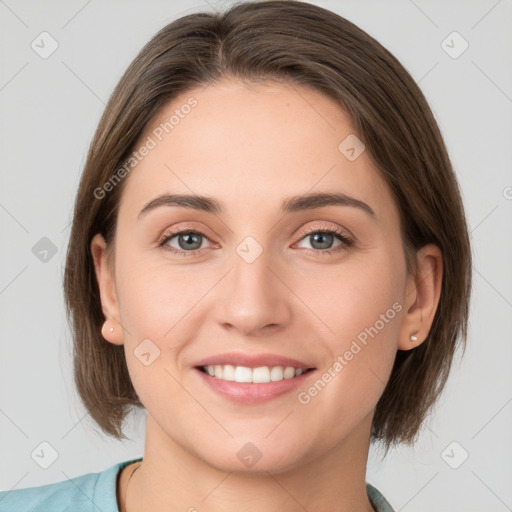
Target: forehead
x,y
250,145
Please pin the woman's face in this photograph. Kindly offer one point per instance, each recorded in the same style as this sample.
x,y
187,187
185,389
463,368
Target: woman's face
x,y
256,279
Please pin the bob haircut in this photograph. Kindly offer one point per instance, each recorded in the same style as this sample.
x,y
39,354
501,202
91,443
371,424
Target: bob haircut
x,y
294,43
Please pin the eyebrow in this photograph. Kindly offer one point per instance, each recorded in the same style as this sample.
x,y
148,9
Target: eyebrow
x,y
292,204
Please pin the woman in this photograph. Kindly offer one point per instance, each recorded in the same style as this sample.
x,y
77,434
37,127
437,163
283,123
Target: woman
x,y
269,253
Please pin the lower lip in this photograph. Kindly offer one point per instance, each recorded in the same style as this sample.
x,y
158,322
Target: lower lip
x,y
250,392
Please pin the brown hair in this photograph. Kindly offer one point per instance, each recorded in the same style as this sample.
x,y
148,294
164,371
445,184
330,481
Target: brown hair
x,y
297,43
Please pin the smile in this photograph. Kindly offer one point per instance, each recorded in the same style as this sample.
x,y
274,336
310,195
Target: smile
x,y
259,375
251,386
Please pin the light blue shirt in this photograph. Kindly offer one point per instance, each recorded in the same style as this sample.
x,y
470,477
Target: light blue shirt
x,y
97,491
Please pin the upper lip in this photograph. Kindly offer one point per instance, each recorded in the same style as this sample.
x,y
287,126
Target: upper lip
x,y
252,360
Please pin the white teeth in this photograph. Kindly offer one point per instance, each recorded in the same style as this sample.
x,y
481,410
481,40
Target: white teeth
x,y
242,374
276,373
229,372
289,372
259,375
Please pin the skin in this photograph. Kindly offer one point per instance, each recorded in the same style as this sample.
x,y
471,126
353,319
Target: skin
x,y
250,146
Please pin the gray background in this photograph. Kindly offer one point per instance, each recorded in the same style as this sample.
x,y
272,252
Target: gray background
x,y
49,111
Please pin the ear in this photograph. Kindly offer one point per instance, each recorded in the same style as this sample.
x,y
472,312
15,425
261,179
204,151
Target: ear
x,y
422,299
106,285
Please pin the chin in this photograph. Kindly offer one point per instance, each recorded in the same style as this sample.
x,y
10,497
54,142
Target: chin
x,y
258,457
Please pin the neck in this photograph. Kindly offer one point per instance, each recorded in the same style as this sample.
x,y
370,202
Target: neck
x,y
173,478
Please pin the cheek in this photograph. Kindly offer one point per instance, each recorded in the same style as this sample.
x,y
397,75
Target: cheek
x,y
354,295
360,310
155,297
154,304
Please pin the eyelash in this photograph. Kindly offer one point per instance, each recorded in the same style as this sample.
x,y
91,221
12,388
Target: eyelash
x,y
346,241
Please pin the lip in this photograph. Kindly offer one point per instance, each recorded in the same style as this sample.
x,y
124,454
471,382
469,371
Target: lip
x,y
249,392
253,361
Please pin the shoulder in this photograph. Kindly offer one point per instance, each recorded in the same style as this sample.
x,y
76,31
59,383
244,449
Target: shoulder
x,y
92,491
379,503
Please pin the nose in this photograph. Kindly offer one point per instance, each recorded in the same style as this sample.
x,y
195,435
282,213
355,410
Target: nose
x,y
253,297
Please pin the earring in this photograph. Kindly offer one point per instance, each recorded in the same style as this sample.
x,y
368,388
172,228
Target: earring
x,y
413,338
111,329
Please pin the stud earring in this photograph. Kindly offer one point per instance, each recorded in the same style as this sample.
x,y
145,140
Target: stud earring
x,y
414,338
111,329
